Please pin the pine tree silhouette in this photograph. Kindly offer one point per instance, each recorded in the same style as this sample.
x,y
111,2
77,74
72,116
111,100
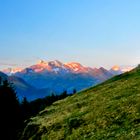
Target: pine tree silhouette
x,y
64,94
74,91
10,115
25,108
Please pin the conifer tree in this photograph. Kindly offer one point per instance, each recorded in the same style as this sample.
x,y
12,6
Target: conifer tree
x,y
74,91
10,115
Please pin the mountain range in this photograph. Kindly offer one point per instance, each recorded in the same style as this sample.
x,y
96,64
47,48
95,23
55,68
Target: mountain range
x,y
108,111
45,78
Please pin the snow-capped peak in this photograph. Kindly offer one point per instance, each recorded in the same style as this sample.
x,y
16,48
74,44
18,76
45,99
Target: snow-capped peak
x,y
76,67
59,67
10,71
50,66
116,68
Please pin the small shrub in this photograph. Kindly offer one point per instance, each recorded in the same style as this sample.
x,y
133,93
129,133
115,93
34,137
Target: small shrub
x,y
73,123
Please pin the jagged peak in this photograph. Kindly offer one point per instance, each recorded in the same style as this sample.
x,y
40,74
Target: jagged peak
x,y
40,62
56,62
102,68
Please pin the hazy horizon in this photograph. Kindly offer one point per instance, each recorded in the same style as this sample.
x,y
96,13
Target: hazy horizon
x,y
94,33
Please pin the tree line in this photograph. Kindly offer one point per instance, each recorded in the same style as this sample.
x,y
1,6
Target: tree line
x,y
14,113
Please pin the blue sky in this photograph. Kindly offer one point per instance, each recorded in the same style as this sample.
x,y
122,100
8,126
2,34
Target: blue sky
x,y
93,32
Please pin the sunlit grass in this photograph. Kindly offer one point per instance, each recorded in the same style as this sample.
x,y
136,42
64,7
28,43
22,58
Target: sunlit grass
x,y
108,111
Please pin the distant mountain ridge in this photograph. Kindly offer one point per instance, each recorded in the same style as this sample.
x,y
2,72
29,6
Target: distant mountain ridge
x,y
57,66
55,77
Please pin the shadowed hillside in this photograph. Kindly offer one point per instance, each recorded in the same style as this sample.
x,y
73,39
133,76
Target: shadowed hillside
x,y
108,111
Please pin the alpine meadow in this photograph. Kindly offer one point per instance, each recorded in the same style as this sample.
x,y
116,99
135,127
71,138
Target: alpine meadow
x,y
69,70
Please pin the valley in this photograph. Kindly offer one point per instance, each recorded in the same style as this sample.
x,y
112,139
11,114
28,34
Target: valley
x,y
45,78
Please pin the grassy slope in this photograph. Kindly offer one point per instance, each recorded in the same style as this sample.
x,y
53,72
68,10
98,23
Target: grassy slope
x,y
108,111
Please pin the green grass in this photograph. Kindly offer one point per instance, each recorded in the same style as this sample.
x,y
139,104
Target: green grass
x,y
109,111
